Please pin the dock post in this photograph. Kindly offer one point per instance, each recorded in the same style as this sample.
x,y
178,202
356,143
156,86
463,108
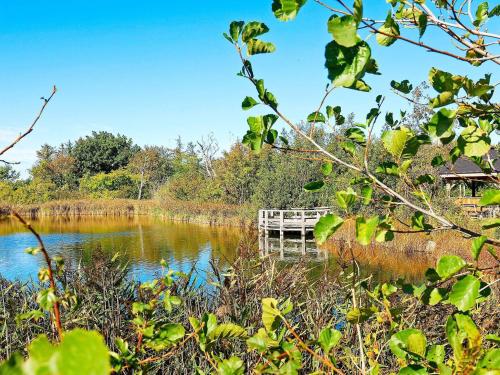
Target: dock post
x,y
282,220
266,223
303,228
282,249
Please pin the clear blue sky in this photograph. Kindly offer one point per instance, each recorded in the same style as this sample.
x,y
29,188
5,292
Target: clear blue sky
x,y
157,69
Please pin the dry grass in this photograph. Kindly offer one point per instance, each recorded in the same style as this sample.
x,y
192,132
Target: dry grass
x,y
206,213
410,253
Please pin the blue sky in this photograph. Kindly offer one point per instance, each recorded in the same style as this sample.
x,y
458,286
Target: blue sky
x,y
154,70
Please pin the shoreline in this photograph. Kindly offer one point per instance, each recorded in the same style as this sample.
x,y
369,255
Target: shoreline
x,y
216,214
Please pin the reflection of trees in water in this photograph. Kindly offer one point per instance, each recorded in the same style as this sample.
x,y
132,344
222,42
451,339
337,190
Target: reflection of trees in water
x,y
140,239
146,240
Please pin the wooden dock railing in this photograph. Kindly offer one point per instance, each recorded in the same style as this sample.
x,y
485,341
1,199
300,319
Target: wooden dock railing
x,y
293,220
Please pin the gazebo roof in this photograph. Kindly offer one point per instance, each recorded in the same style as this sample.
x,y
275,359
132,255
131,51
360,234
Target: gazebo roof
x,y
465,168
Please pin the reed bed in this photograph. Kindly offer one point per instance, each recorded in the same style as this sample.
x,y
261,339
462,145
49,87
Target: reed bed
x,y
196,212
105,292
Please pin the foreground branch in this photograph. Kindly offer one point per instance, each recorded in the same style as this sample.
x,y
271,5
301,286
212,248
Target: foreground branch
x,y
32,126
48,261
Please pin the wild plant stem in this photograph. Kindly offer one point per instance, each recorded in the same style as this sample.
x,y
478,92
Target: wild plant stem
x,y
48,261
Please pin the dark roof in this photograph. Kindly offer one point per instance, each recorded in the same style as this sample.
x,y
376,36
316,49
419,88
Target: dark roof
x,y
464,166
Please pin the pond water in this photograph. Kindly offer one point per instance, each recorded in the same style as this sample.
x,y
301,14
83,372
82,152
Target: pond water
x,y
144,242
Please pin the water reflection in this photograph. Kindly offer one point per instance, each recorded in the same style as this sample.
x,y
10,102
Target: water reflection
x,y
141,241
382,262
291,249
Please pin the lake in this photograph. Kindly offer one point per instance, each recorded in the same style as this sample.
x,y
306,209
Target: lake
x,y
144,242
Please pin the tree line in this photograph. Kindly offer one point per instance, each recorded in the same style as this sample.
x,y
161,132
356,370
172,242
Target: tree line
x,y
103,165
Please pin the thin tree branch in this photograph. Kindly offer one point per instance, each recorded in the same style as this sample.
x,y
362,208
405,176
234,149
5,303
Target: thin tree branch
x,y
30,129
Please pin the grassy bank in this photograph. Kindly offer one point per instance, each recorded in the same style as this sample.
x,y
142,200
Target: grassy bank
x,y
203,213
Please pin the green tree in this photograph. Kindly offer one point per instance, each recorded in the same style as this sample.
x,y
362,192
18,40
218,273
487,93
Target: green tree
x,y
8,173
102,152
56,166
154,165
236,172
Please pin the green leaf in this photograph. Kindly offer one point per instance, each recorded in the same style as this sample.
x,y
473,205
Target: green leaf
x,y
358,315
248,103
385,230
235,29
344,30
425,179
252,30
449,265
413,370
346,65
404,86
390,168
432,296
348,147
356,135
494,12
257,46
435,354
365,229
418,222
477,246
442,99
271,315
408,341
314,186
366,193
346,199
328,339
437,161
441,126
165,336
13,365
400,143
256,124
422,25
474,142
327,168
316,117
445,82
80,352
358,10
360,85
46,298
261,341
227,330
463,336
286,10
326,227
490,361
481,14
231,366
463,294
490,197
388,32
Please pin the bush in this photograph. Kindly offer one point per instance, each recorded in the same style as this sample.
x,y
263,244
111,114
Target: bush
x,y
116,184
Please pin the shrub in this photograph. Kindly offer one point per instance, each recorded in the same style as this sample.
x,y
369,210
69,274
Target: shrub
x,y
116,184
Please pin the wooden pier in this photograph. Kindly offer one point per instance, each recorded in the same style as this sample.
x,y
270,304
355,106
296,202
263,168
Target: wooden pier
x,y
290,221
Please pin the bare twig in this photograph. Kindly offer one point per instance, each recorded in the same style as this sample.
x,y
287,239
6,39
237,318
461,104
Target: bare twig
x,y
32,126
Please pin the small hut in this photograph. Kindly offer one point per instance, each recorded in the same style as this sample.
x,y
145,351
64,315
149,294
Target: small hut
x,y
467,178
